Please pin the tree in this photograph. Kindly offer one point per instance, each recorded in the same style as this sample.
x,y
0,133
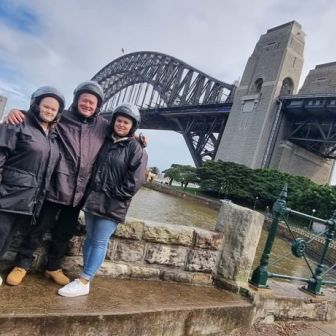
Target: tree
x,y
321,198
242,184
184,174
223,179
173,173
188,175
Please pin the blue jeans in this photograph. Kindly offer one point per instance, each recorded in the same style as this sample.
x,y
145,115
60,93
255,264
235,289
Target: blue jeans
x,y
98,233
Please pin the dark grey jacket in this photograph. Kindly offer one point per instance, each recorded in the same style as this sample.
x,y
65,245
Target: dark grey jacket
x,y
119,173
27,159
80,141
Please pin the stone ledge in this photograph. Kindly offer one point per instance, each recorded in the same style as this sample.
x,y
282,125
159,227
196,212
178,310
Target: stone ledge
x,y
132,229
122,308
181,253
168,233
119,270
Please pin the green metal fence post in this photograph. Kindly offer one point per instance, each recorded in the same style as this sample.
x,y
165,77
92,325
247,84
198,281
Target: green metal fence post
x,y
316,281
260,274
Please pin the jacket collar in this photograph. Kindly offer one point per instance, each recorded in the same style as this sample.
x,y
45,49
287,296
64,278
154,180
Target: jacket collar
x,y
34,120
117,139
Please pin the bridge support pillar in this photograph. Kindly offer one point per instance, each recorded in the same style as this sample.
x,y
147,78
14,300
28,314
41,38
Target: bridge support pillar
x,y
241,229
273,70
290,158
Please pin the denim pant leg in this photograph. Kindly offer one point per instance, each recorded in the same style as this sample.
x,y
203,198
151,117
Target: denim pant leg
x,y
89,224
100,231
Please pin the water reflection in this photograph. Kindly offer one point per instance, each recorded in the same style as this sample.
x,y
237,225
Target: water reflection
x,y
282,260
153,205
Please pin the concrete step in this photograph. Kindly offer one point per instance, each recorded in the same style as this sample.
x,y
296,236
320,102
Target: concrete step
x,y
120,307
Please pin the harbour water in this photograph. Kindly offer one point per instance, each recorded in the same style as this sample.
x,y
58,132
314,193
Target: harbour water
x,y
152,205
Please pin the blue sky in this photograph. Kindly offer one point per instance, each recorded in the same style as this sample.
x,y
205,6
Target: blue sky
x,y
17,15
64,42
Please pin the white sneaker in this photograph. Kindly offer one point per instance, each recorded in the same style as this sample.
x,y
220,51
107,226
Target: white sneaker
x,y
75,288
0,280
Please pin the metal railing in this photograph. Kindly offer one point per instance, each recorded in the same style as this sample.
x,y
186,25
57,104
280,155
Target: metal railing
x,y
280,211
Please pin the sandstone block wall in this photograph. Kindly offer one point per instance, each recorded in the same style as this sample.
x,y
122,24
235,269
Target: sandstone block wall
x,y
159,251
241,229
150,250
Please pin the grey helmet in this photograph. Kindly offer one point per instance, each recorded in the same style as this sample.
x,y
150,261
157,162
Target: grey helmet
x,y
130,111
47,91
90,87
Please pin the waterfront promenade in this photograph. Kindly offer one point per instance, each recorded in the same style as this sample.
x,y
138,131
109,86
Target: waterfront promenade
x,y
136,308
120,307
186,270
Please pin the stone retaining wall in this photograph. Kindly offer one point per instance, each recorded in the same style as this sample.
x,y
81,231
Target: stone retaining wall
x,y
214,204
149,250
159,251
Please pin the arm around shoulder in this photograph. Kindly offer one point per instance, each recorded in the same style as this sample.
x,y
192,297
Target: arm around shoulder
x,y
8,137
15,117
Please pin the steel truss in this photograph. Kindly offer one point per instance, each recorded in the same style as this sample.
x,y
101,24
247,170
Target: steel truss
x,y
171,95
312,123
316,136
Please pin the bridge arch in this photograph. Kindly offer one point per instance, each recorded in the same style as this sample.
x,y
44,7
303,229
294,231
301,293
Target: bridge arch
x,y
177,83
171,95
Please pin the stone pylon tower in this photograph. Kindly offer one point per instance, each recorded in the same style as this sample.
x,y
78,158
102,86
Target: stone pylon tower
x,y
273,69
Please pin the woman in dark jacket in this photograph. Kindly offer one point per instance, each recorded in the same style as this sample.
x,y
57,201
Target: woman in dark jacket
x,y
119,173
28,154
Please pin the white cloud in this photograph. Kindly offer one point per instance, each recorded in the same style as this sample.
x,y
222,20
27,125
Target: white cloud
x,y
76,38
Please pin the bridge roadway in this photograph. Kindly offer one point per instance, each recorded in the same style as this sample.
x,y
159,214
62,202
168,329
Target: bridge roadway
x,y
310,123
175,96
311,120
200,125
164,118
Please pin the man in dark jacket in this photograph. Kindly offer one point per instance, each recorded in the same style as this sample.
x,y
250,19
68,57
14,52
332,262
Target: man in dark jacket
x,y
29,153
81,132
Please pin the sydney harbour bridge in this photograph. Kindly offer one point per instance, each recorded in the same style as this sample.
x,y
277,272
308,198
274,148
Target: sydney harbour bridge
x,y
175,96
171,95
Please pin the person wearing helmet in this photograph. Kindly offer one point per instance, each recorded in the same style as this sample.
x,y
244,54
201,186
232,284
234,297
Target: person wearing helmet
x,y
29,153
118,175
82,132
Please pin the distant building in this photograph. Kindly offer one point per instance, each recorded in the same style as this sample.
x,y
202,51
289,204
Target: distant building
x,y
3,101
150,177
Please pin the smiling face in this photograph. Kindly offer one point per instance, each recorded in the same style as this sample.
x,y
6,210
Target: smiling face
x,y
122,126
87,104
48,109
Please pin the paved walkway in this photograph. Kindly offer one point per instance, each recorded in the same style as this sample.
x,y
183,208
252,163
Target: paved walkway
x,y
134,307
120,307
319,329
289,328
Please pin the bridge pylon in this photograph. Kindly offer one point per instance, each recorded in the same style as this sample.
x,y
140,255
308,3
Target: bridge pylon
x,y
273,69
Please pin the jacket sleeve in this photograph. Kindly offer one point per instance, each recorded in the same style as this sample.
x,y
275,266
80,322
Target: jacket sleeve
x,y
8,136
136,174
